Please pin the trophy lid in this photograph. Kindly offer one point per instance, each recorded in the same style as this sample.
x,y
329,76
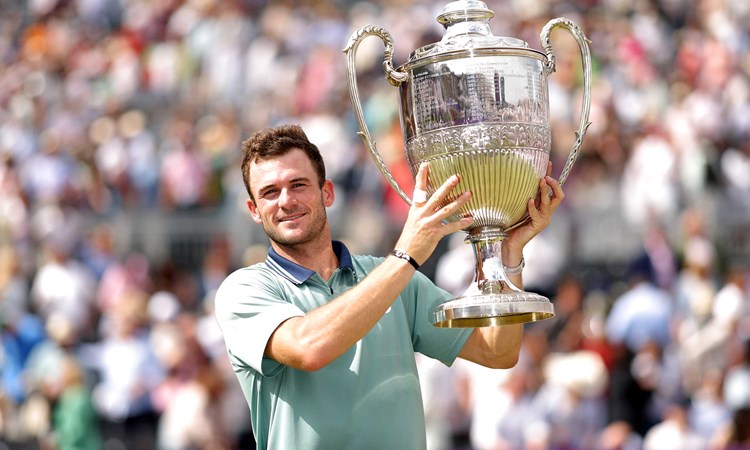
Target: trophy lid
x,y
467,27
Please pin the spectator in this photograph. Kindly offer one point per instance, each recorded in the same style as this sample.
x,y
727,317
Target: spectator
x,y
128,373
75,422
673,433
641,315
638,327
63,285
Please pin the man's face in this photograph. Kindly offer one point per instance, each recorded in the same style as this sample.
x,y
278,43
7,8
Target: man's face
x,y
289,203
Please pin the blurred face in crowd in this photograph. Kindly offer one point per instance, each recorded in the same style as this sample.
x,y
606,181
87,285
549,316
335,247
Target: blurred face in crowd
x,y
288,199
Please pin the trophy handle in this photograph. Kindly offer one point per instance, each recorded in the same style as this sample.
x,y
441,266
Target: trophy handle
x,y
393,76
583,44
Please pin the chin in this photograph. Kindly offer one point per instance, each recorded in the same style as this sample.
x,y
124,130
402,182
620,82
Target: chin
x,y
289,239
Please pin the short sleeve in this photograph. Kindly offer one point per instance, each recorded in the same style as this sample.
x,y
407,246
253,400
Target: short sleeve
x,y
249,308
421,297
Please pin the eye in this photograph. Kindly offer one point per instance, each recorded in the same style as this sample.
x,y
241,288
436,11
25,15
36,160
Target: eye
x,y
269,194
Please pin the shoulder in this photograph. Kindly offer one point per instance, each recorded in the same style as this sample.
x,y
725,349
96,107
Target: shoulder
x,y
366,261
245,282
257,273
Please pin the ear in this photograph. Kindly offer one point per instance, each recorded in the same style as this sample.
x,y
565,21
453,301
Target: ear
x,y
328,195
253,208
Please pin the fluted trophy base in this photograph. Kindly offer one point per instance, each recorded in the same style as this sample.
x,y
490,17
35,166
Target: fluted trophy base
x,y
492,299
508,308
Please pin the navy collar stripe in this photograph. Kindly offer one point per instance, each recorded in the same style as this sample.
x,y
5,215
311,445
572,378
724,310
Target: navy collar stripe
x,y
298,274
273,265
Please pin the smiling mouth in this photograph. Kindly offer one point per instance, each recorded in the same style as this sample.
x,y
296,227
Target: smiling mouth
x,y
291,218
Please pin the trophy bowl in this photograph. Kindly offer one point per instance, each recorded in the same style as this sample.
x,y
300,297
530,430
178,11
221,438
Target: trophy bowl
x,y
477,105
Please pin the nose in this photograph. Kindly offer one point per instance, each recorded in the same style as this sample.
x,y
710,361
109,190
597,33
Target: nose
x,y
286,198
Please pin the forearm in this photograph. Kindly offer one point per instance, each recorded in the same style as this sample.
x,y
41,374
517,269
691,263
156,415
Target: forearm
x,y
494,347
314,340
498,347
512,257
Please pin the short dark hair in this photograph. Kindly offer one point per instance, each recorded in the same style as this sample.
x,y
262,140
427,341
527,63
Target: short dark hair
x,y
277,141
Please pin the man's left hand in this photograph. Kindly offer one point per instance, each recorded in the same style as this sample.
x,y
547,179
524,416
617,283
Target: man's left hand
x,y
540,210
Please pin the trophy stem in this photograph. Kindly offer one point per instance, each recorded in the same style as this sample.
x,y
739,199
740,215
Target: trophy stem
x,y
492,299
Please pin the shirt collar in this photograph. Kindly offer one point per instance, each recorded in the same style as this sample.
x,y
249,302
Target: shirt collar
x,y
298,274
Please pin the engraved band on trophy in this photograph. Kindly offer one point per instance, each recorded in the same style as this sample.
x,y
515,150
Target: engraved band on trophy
x,y
477,105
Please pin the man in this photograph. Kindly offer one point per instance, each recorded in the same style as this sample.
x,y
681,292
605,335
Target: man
x,y
323,341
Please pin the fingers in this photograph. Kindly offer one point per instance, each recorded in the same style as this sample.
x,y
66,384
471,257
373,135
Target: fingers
x,y
550,197
556,191
420,186
420,198
453,227
540,211
434,209
556,194
442,192
441,210
545,193
551,193
533,211
426,224
453,207
423,174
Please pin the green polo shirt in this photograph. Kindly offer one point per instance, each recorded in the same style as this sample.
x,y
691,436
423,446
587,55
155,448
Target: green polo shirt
x,y
369,398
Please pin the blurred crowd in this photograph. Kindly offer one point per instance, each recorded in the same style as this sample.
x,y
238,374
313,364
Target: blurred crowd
x,y
110,108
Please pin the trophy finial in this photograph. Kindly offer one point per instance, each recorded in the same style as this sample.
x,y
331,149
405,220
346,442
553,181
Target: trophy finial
x,y
464,11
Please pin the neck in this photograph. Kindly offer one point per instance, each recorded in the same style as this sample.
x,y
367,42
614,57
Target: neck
x,y
317,256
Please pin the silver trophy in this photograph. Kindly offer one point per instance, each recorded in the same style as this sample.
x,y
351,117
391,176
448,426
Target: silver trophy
x,y
477,105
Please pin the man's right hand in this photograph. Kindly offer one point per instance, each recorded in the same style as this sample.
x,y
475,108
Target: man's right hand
x,y
425,226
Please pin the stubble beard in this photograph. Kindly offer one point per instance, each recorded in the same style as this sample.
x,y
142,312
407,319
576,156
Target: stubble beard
x,y
314,232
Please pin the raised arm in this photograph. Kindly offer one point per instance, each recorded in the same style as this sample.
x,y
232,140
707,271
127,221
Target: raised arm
x,y
499,347
313,341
